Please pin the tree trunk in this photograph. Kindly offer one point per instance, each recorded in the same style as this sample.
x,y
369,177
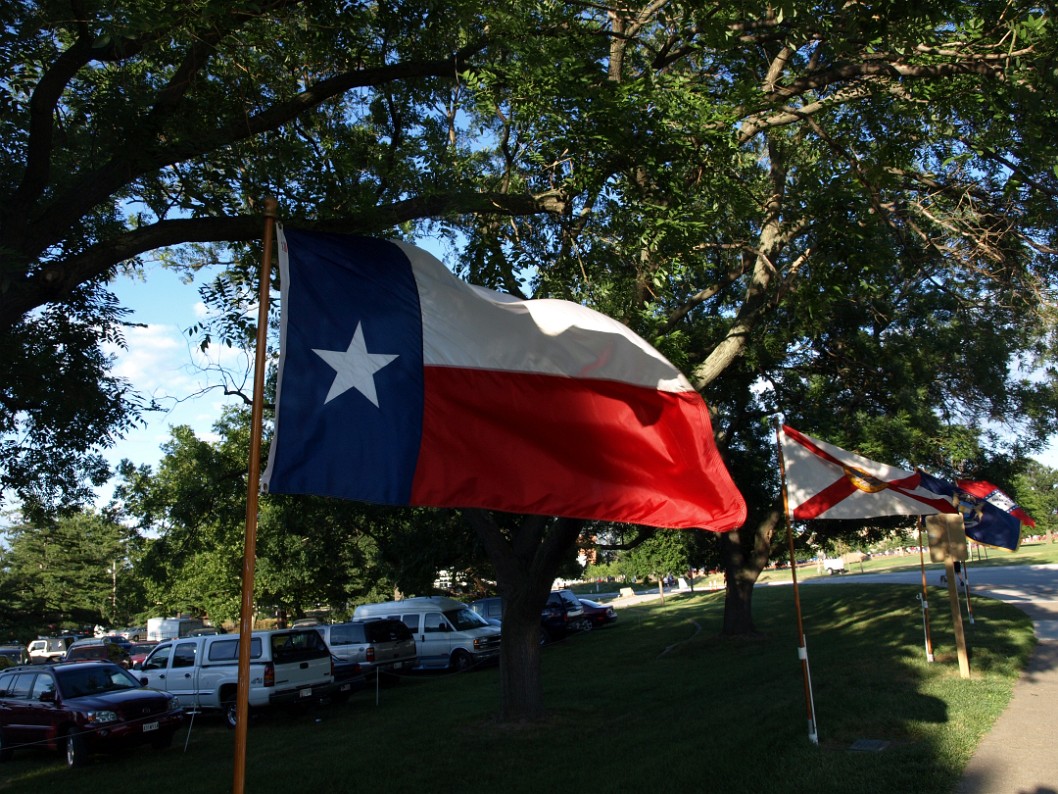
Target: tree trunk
x,y
738,604
526,558
521,686
745,554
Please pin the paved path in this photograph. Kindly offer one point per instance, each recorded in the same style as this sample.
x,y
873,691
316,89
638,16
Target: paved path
x,y
1020,754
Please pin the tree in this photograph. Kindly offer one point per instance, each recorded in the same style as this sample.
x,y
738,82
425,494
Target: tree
x,y
70,573
796,205
822,211
1036,490
662,554
311,552
132,127
526,554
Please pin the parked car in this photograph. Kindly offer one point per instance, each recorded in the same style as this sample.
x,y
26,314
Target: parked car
x,y
138,651
448,634
98,648
491,609
206,631
384,645
286,666
596,615
81,709
561,614
45,650
134,633
117,639
348,677
12,653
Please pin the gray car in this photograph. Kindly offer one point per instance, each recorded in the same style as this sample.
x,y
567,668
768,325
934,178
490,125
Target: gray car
x,y
385,645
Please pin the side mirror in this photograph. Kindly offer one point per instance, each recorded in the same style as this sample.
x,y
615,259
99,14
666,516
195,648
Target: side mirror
x,y
144,681
47,697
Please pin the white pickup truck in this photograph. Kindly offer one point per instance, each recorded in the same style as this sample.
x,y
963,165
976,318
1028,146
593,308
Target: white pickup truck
x,y
286,666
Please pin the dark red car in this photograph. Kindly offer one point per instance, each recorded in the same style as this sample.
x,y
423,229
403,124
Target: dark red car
x,y
138,651
597,615
80,708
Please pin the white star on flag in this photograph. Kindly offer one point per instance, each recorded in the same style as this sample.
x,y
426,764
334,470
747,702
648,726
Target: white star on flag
x,y
354,367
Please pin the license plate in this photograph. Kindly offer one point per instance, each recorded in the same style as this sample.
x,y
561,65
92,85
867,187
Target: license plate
x,y
305,693
150,726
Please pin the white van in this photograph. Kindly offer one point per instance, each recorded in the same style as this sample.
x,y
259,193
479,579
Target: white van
x,y
448,634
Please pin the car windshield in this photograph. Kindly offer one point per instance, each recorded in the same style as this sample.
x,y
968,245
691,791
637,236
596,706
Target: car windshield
x,y
79,681
465,619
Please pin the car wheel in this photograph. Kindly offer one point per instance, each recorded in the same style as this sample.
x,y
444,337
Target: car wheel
x,y
76,750
461,661
231,713
5,749
586,625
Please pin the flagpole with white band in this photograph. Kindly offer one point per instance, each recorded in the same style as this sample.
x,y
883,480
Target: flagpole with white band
x,y
802,649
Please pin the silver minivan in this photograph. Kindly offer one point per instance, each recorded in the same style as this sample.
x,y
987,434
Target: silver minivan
x,y
448,634
383,645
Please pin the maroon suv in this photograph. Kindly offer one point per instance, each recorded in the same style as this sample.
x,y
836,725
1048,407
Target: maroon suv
x,y
81,708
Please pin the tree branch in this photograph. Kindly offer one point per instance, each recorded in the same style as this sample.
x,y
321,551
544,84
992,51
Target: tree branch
x,y
57,280
136,161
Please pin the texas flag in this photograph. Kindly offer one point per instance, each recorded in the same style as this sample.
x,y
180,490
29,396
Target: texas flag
x,y
401,384
825,481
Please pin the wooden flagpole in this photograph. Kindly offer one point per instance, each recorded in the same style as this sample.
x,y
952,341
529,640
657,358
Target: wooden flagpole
x,y
242,696
802,649
924,597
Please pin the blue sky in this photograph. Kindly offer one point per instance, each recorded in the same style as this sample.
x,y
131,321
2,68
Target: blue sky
x,y
164,363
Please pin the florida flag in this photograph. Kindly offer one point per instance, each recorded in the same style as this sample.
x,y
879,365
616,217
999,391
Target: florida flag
x,y
401,384
824,481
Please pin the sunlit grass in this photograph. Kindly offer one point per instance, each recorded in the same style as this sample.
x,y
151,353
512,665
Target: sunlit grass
x,y
657,700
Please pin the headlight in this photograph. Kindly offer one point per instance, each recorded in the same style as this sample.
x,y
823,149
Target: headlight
x,y
100,717
174,704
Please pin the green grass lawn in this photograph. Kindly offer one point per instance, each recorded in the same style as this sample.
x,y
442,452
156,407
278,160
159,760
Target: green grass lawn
x,y
657,701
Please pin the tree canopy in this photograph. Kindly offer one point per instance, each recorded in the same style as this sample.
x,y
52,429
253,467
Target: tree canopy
x,y
844,212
